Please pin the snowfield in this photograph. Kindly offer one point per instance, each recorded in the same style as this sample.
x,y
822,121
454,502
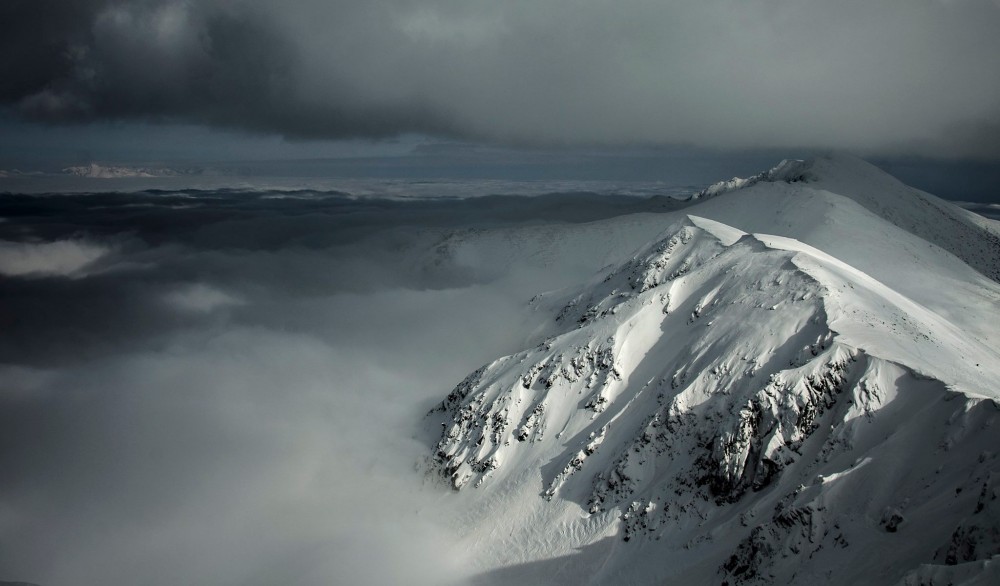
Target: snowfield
x,y
796,381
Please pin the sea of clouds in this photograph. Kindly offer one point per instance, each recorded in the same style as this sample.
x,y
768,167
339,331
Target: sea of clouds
x,y
227,387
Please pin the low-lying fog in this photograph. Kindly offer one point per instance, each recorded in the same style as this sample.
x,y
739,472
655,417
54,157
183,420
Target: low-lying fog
x,y
227,388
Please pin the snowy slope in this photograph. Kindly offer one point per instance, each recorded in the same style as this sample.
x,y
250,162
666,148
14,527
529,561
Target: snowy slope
x,y
795,382
932,251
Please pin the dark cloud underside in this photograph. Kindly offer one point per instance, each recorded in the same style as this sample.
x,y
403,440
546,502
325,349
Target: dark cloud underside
x,y
916,76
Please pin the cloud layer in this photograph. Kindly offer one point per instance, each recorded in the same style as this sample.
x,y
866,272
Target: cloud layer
x,y
62,257
915,76
233,392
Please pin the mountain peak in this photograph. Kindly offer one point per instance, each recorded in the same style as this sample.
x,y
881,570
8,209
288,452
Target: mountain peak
x,y
833,167
788,170
771,387
755,201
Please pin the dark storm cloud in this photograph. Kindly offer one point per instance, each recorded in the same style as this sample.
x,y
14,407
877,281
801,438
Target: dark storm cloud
x,y
917,76
35,37
217,63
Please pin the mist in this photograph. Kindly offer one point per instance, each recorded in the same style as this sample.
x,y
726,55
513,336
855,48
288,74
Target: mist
x,y
228,388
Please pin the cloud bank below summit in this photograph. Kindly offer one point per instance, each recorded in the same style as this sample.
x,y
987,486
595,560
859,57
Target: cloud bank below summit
x,y
892,77
226,393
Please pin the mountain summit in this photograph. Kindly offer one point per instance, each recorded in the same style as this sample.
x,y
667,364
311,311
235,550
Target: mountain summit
x,y
796,381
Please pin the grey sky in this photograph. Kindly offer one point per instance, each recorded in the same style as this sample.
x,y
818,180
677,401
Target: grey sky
x,y
879,78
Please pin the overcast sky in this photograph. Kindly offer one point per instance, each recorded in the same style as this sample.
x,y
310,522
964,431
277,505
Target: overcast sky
x,y
887,78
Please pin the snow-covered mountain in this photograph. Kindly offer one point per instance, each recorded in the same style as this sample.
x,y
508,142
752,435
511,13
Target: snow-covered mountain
x,y
796,381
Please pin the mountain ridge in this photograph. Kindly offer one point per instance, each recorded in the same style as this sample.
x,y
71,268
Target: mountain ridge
x,y
719,374
886,197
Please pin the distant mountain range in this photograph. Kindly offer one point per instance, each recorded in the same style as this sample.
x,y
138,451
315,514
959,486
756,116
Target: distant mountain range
x,y
97,171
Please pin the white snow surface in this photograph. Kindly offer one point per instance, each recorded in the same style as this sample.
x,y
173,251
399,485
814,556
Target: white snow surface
x,y
795,382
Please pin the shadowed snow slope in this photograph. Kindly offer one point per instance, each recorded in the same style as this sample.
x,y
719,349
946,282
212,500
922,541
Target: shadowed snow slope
x,y
795,382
